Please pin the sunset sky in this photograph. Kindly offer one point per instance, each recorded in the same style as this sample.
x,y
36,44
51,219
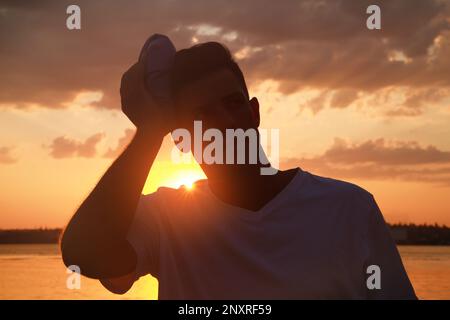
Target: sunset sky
x,y
367,106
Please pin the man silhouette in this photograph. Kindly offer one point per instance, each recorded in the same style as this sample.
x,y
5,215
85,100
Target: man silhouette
x,y
239,234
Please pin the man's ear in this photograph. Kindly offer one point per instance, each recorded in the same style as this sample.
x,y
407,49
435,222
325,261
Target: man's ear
x,y
254,107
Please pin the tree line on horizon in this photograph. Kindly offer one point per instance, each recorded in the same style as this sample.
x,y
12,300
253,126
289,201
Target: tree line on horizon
x,y
403,233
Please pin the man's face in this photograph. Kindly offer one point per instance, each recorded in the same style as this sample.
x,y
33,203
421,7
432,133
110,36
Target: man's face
x,y
219,101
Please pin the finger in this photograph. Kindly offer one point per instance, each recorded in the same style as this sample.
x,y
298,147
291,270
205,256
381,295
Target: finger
x,y
137,70
133,77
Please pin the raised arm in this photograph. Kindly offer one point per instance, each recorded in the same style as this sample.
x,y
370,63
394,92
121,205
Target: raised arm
x,y
95,238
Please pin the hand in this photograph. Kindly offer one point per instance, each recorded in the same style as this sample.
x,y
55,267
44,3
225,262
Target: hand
x,y
138,104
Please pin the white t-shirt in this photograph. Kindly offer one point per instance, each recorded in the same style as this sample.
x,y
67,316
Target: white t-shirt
x,y
314,240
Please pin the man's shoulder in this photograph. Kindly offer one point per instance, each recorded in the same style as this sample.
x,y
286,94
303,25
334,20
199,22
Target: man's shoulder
x,y
338,199
336,189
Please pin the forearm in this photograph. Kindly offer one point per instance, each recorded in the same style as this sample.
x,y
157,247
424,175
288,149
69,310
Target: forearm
x,y
95,238
116,195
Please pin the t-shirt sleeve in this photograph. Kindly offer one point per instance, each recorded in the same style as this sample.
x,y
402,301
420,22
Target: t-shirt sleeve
x,y
383,258
143,236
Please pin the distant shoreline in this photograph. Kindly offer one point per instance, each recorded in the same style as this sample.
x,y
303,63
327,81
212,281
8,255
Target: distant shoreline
x,y
403,234
30,236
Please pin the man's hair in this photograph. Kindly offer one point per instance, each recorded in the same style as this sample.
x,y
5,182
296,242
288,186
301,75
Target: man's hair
x,y
201,60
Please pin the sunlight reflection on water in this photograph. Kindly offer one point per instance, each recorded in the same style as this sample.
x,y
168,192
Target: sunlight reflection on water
x,y
37,272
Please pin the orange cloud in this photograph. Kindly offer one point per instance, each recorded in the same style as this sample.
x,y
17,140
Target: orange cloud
x,y
6,157
63,147
383,152
380,159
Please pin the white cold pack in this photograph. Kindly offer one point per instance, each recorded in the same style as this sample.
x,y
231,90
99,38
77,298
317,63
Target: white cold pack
x,y
157,54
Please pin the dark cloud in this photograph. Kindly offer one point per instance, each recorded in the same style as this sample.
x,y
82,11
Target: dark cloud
x,y
417,100
315,44
381,152
378,159
63,147
343,98
331,98
318,102
6,156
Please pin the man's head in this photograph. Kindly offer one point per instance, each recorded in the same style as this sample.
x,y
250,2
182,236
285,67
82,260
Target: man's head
x,y
208,85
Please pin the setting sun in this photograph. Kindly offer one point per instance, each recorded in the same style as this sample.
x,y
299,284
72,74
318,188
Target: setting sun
x,y
189,185
186,179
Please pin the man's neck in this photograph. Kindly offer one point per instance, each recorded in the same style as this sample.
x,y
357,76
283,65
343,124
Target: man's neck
x,y
245,187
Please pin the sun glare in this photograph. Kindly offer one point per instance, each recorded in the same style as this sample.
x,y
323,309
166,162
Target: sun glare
x,y
189,185
187,180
